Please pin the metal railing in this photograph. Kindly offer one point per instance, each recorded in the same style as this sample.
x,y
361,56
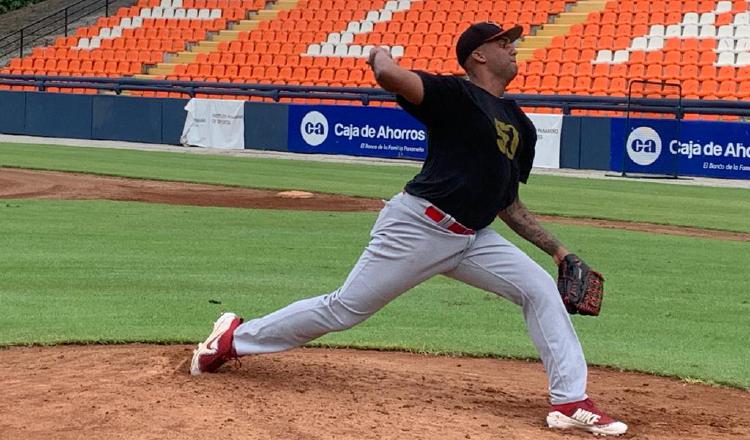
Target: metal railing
x,y
366,96
22,40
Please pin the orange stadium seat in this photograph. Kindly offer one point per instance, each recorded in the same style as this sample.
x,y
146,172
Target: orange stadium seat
x,y
320,42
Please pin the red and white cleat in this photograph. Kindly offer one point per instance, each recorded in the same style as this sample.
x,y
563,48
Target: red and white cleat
x,y
218,348
584,416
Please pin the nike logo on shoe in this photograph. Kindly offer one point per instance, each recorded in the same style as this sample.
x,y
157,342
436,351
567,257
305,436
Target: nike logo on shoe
x,y
585,417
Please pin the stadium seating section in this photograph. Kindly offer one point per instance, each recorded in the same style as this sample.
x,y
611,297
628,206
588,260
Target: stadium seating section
x,y
703,46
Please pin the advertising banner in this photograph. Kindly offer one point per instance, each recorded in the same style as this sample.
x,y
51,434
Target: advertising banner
x,y
389,133
214,123
687,148
356,131
548,135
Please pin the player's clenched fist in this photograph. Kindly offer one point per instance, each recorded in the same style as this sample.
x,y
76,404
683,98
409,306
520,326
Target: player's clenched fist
x,y
374,52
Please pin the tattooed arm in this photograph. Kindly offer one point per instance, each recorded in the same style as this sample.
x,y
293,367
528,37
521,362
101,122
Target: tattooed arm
x,y
523,222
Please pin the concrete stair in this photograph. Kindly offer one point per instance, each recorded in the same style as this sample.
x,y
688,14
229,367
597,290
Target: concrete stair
x,y
206,46
563,22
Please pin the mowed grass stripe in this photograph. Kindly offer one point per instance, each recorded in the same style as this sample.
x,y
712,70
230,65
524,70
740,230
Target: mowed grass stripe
x,y
701,207
98,271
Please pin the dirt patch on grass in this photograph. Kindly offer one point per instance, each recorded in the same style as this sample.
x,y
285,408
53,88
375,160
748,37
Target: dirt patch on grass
x,y
20,183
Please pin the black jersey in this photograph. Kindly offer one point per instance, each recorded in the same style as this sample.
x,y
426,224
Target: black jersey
x,y
479,147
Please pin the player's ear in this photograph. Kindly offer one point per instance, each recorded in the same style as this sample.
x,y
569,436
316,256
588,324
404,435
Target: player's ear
x,y
478,56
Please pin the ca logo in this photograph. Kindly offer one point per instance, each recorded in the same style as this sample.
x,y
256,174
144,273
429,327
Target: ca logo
x,y
314,128
644,146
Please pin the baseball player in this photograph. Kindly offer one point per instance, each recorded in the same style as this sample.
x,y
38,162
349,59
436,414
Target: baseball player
x,y
480,146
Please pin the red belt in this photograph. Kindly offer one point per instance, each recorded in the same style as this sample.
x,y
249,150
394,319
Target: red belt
x,y
454,226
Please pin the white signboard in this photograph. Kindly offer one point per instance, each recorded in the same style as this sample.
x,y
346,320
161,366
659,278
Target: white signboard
x,y
548,133
214,123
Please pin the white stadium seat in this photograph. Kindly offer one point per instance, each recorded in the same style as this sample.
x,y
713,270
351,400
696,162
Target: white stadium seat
x,y
673,31
191,14
707,18
385,15
372,16
743,59
176,4
94,43
157,12
215,13
104,32
125,22
621,56
355,50
116,32
726,45
347,38
137,22
725,31
180,13
742,32
725,59
655,43
723,6
145,12
742,45
690,18
404,5
391,5
168,13
639,43
365,27
656,30
334,38
204,14
340,50
690,31
397,51
353,27
604,56
742,18
366,50
326,49
166,3
83,43
313,49
707,31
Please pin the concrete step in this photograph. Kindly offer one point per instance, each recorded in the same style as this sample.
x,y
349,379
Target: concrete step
x,y
227,35
536,41
551,30
161,70
524,53
588,6
571,17
246,25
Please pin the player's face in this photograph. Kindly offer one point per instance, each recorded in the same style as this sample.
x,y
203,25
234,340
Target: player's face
x,y
501,58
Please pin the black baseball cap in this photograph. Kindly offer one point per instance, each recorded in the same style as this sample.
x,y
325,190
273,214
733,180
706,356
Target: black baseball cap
x,y
479,33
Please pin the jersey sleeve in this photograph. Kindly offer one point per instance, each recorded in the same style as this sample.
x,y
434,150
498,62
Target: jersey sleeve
x,y
526,161
442,94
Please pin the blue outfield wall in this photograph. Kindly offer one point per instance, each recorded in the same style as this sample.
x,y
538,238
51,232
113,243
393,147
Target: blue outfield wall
x,y
654,146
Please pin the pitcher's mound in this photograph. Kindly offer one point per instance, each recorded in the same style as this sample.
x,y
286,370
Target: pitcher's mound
x,y
145,391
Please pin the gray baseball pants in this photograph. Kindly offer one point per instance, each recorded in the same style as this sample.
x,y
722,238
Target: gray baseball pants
x,y
407,248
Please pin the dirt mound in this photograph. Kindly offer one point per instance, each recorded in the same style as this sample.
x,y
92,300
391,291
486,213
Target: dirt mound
x,y
143,391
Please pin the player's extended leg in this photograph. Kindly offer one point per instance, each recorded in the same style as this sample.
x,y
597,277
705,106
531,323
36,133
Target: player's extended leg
x,y
406,248
494,264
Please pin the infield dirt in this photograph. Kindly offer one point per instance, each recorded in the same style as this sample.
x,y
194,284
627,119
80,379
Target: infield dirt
x,y
145,391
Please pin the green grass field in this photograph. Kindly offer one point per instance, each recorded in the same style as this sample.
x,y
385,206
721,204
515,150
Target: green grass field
x,y
98,271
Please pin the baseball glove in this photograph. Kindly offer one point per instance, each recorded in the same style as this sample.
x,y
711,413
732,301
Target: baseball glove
x,y
581,287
